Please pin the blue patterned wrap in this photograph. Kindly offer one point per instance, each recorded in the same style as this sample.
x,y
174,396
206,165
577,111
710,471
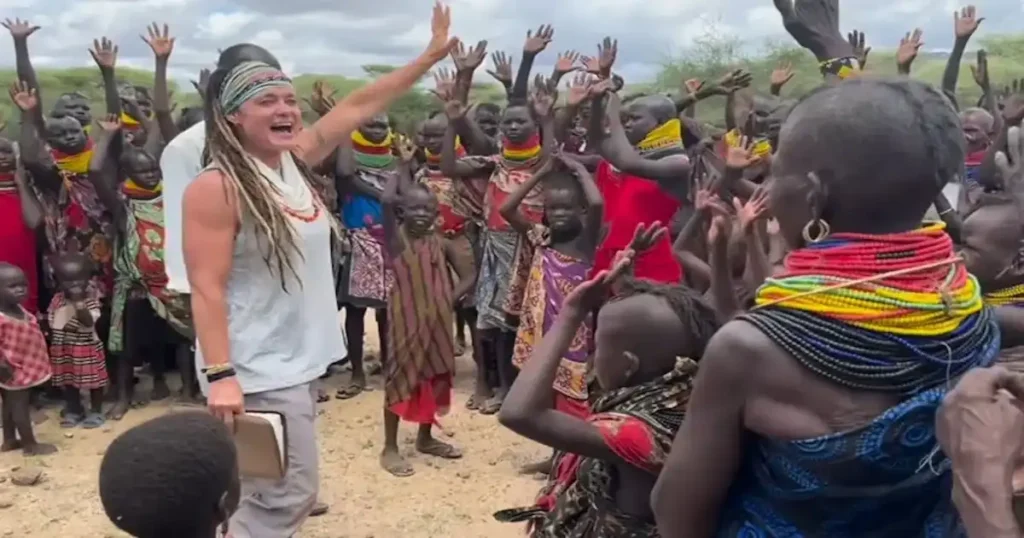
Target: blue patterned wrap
x,y
887,479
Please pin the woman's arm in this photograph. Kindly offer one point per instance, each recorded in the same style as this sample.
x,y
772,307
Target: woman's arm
x,y
162,44
529,407
452,166
104,52
389,210
32,153
31,209
314,144
535,44
466,281
723,293
208,236
594,221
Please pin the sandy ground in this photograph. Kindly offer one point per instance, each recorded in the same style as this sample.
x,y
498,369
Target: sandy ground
x,y
443,499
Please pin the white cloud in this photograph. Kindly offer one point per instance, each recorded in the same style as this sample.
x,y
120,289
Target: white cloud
x,y
225,25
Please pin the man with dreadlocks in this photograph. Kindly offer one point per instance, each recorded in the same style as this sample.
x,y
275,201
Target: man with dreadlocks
x,y
643,176
855,341
257,245
607,463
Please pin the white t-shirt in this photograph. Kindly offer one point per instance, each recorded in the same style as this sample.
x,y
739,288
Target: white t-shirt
x,y
181,162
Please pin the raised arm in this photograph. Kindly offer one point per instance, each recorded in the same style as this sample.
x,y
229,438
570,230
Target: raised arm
x,y
502,71
103,168
534,45
33,154
542,105
910,45
965,23
316,143
671,172
104,52
31,209
20,31
162,45
451,165
594,222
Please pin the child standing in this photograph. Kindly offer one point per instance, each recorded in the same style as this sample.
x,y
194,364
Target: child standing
x,y
564,247
24,363
420,359
76,351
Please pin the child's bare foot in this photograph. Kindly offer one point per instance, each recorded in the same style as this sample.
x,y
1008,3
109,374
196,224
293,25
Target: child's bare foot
x,y
460,348
473,403
160,391
394,463
433,447
543,467
39,449
119,410
10,446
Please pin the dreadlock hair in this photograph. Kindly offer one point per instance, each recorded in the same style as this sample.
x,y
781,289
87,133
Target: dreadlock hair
x,y
166,478
255,195
695,313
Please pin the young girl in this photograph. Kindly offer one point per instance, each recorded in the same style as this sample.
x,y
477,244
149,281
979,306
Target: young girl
x,y
24,363
76,353
564,253
143,310
420,360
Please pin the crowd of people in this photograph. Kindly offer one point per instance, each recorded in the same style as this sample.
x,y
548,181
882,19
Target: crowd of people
x,y
787,327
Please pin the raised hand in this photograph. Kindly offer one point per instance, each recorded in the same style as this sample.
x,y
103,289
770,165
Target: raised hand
x,y
782,74
814,24
502,68
161,43
566,63
702,198
590,294
578,89
321,100
741,156
980,71
104,52
646,236
19,29
966,22
471,58
405,148
908,49
754,210
535,43
721,221
1011,163
109,124
23,96
3,124
861,51
444,84
455,109
543,97
607,51
203,83
441,44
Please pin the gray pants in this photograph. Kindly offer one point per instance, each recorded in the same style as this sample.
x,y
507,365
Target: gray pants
x,y
276,509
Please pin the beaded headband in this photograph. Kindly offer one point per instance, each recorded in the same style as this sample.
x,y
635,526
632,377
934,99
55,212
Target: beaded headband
x,y
247,80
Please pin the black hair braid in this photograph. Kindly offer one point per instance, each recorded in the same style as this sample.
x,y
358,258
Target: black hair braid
x,y
695,313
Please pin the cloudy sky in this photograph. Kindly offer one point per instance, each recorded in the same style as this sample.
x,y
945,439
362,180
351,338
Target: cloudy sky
x,y
338,36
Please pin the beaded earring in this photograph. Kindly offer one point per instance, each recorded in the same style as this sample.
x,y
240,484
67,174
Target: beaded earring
x,y
823,230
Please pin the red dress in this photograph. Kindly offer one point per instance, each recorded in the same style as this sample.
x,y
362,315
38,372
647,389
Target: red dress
x,y
17,241
628,202
23,348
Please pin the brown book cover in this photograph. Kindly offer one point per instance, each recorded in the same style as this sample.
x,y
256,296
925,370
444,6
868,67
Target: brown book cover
x,y
261,438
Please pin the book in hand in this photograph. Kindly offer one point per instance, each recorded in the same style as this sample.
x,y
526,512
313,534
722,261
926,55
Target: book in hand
x,y
261,438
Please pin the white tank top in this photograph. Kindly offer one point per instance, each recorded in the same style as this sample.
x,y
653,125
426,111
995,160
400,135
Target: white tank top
x,y
279,339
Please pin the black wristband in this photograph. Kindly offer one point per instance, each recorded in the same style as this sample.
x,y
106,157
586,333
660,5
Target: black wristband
x,y
223,374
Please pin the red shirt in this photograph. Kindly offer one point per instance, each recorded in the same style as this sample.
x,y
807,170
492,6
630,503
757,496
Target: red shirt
x,y
628,202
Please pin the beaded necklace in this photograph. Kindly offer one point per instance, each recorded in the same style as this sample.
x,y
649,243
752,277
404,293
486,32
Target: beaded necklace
x,y
521,155
372,154
665,137
893,312
1012,296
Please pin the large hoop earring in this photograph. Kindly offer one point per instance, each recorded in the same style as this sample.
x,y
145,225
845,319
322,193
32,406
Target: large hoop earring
x,y
822,230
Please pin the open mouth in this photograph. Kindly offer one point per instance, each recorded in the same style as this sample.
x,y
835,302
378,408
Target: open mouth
x,y
282,127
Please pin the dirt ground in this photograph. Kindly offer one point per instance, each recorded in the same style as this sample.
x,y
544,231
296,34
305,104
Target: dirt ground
x,y
443,498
